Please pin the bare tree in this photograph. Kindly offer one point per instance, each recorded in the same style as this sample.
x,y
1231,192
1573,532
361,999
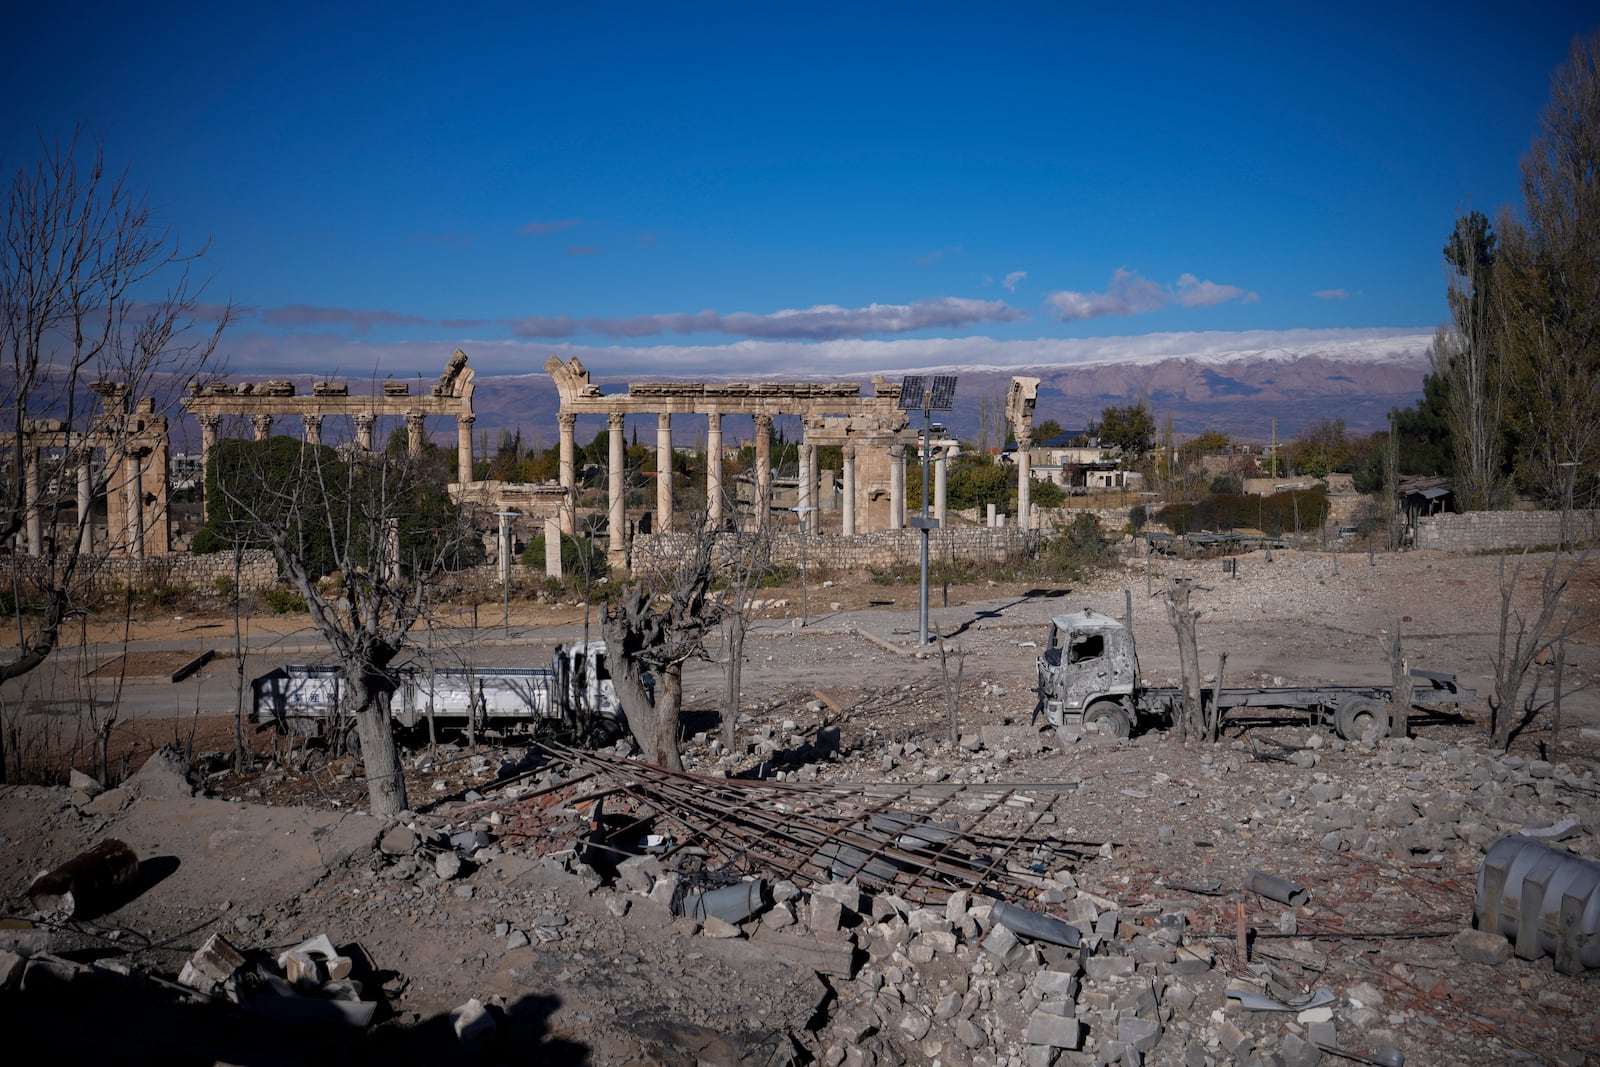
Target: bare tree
x,y
1529,637
93,292
360,540
658,625
744,571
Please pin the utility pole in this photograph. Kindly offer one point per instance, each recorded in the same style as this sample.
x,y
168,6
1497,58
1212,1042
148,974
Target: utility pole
x,y
929,396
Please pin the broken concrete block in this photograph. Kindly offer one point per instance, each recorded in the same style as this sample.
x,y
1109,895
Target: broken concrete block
x,y
1101,968
826,915
474,1026
216,962
447,865
1141,1034
712,926
848,894
637,874
165,775
1298,1052
999,942
1481,946
79,782
835,958
398,841
1235,1042
914,1025
86,882
107,803
970,1035
1056,1031
1055,984
1323,1034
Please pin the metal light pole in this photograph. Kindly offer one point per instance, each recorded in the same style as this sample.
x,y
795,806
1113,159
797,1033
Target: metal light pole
x,y
801,511
930,396
505,518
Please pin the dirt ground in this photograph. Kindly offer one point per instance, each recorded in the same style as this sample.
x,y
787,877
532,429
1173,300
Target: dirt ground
x,y
603,987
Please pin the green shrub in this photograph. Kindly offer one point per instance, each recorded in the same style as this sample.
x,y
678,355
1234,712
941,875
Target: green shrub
x,y
283,600
206,541
574,553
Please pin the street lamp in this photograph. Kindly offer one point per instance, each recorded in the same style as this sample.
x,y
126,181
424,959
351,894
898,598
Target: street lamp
x,y
505,518
801,511
937,394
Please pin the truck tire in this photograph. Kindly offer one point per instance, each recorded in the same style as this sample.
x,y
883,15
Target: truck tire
x,y
1113,715
1360,714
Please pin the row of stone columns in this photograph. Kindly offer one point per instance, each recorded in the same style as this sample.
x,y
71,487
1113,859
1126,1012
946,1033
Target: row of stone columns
x,y
616,485
132,503
416,434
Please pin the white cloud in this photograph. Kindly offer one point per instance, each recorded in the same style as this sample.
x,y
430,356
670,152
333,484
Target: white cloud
x,y
1333,294
1013,279
796,360
1130,293
822,322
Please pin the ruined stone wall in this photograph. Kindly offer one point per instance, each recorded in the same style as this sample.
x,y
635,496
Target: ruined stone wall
x,y
1485,531
257,570
882,548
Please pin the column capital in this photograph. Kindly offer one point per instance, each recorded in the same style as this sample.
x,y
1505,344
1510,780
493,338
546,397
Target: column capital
x,y
663,419
211,422
467,419
615,421
567,420
365,421
764,422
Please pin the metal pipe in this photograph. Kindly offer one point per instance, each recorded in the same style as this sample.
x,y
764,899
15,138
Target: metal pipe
x,y
1274,888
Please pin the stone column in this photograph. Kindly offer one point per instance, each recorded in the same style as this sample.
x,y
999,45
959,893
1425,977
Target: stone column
x,y
848,523
763,470
364,431
897,487
30,499
569,471
664,472
808,486
464,447
133,498
263,426
313,429
714,470
1025,482
209,425
941,472
816,485
616,472
86,502
416,434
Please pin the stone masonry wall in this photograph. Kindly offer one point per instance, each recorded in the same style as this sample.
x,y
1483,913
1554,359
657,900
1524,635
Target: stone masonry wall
x,y
1485,531
878,549
257,570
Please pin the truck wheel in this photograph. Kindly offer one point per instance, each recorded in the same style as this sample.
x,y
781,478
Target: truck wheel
x,y
1113,715
1356,717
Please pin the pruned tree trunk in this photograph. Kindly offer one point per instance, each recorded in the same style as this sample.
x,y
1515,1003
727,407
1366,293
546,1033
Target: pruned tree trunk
x,y
952,686
1400,674
380,756
737,626
1182,616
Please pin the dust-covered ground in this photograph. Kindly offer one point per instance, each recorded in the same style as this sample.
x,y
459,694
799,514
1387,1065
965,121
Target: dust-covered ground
x,y
1142,844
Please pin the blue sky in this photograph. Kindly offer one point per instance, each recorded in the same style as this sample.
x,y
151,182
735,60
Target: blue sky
x,y
658,186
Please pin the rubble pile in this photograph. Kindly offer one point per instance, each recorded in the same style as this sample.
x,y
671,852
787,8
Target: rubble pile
x,y
851,887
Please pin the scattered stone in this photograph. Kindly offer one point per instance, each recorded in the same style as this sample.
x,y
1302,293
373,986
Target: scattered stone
x,y
398,841
474,1026
1480,946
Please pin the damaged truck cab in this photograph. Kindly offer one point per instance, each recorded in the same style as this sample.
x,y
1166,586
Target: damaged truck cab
x,y
1088,672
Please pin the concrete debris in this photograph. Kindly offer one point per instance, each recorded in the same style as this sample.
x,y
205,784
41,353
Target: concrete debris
x,y
165,775
86,883
473,1025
